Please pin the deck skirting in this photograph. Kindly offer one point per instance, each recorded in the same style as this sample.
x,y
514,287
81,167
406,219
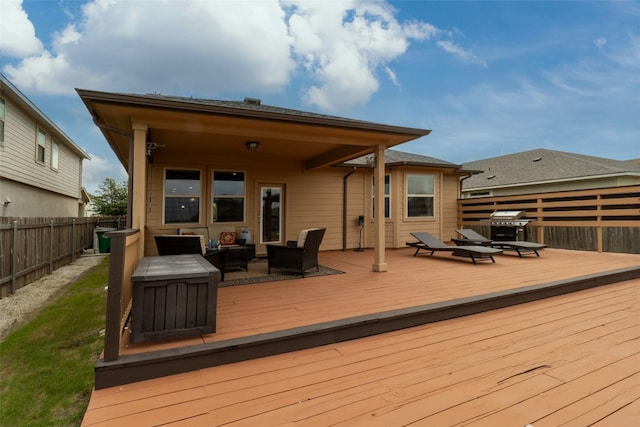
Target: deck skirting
x,y
143,366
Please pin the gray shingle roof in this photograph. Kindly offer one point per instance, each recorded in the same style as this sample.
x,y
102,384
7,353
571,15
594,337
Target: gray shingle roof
x,y
251,104
541,165
395,157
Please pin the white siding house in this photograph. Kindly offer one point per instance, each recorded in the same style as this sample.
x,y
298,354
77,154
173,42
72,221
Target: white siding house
x,y
40,166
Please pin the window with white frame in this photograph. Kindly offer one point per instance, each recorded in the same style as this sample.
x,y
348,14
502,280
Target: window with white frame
x,y
2,108
420,196
55,150
181,196
387,196
228,196
41,146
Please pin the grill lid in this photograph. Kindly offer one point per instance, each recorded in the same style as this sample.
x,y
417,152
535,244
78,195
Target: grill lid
x,y
507,215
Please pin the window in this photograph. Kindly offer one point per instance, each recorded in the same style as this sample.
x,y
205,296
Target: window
x,y
228,197
2,122
387,196
42,140
182,196
420,196
55,149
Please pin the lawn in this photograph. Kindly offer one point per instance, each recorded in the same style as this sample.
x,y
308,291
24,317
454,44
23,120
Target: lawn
x,y
47,365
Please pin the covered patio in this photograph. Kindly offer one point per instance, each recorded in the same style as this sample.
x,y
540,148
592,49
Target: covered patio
x,y
305,350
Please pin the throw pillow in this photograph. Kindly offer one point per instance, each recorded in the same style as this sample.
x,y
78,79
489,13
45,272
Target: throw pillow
x,y
227,237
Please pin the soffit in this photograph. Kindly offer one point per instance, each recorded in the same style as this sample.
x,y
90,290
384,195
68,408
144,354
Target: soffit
x,y
310,140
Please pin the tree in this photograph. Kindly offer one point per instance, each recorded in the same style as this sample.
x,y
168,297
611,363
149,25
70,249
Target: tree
x,y
111,199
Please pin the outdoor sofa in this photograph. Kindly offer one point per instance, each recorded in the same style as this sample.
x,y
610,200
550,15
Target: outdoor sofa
x,y
176,244
472,237
428,242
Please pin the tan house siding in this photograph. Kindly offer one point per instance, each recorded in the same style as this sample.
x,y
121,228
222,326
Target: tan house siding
x,y
399,226
449,206
312,199
35,188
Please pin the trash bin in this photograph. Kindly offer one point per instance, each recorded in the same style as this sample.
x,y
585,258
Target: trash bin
x,y
102,242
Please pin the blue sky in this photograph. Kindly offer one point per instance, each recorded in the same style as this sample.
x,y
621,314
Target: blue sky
x,y
488,77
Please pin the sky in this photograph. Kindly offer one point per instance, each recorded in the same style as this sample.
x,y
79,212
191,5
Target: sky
x,y
489,78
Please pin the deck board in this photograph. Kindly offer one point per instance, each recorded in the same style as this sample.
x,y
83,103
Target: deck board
x,y
567,359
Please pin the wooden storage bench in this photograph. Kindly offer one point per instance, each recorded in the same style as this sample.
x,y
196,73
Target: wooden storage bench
x,y
173,296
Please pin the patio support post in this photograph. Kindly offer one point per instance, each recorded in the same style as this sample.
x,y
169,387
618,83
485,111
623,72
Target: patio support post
x,y
138,176
379,263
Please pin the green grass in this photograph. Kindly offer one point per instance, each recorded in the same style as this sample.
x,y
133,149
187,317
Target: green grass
x,y
47,365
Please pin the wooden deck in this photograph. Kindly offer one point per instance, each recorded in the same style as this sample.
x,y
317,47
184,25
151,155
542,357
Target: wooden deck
x,y
567,359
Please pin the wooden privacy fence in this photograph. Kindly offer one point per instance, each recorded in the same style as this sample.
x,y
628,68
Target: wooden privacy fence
x,y
603,220
30,248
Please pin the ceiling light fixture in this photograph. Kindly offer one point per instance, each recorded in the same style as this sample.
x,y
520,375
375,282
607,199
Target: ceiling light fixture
x,y
252,145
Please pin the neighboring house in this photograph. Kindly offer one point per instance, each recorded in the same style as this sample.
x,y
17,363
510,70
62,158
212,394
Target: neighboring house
x,y
233,165
40,166
541,171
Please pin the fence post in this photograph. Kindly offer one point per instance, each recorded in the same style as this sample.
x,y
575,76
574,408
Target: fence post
x,y
50,246
14,257
73,239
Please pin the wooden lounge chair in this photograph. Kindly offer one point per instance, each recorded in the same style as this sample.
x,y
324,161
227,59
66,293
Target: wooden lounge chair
x,y
428,242
300,255
474,238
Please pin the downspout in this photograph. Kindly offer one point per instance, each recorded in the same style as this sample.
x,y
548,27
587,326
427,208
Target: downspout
x,y
460,186
344,208
460,194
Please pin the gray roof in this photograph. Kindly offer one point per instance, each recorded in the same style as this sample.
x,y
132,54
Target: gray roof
x,y
542,166
250,104
401,158
24,102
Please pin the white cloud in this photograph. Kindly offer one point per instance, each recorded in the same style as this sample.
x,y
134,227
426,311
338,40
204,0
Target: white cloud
x,y
17,33
465,55
97,169
345,44
208,49
600,42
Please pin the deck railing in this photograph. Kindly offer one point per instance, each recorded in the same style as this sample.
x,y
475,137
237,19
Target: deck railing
x,y
123,262
603,220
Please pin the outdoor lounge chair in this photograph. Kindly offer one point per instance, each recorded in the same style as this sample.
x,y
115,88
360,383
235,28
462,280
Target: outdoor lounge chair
x,y
474,238
300,255
176,244
428,242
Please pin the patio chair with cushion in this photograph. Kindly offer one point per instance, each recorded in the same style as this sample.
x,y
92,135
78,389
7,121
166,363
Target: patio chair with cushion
x,y
428,242
300,255
176,244
472,237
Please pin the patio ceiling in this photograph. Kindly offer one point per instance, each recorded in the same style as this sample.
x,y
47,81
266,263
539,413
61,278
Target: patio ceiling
x,y
221,128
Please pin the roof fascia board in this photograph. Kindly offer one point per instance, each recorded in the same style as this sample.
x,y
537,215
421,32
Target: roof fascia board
x,y
555,181
150,102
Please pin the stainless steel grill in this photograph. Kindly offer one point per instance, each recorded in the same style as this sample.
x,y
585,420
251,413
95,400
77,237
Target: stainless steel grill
x,y
508,225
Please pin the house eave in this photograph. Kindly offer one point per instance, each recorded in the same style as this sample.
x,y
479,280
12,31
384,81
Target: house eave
x,y
25,103
552,181
183,105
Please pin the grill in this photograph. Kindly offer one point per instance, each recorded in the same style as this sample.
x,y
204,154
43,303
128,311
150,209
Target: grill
x,y
508,225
